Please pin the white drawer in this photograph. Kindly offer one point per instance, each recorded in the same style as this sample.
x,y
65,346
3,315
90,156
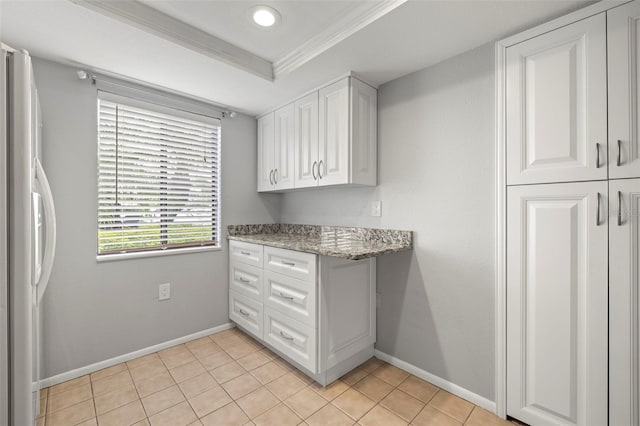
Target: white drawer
x,y
291,296
246,252
291,337
246,280
291,263
247,313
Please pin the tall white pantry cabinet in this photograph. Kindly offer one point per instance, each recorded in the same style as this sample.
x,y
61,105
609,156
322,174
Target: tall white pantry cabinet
x,y
572,222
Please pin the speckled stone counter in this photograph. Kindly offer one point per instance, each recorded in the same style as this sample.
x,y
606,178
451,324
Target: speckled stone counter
x,y
345,242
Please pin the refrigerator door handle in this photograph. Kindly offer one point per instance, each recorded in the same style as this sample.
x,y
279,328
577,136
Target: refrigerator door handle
x,y
50,221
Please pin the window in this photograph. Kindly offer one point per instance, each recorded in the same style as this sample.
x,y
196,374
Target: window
x,y
158,177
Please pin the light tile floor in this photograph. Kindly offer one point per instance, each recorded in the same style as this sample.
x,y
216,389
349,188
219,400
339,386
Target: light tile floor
x,y
230,379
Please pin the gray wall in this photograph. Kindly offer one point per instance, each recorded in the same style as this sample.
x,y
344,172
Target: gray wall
x,y
95,311
435,171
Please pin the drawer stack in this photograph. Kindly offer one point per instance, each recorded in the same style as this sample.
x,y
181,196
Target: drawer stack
x,y
246,286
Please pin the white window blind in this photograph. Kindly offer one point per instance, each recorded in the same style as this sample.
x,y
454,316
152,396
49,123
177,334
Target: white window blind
x,y
158,177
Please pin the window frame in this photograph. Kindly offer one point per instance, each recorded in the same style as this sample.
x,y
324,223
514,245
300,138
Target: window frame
x,y
173,107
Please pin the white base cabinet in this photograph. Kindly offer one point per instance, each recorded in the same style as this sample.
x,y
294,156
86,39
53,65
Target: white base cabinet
x,y
317,312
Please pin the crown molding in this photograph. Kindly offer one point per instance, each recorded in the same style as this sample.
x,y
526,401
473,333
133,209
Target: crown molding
x,y
146,18
348,25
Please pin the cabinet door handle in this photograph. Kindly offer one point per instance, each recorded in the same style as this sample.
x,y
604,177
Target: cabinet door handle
x,y
597,155
271,177
619,208
320,168
242,312
313,170
598,210
285,336
284,296
244,280
618,161
246,253
284,262
275,176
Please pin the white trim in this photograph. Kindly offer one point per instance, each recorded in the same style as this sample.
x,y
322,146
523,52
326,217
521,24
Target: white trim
x,y
348,25
472,397
148,19
92,368
154,253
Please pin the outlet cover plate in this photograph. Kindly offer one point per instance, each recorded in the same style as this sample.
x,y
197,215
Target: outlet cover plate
x,y
164,291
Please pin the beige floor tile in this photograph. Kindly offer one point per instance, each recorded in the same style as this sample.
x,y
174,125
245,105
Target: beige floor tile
x,y
106,372
371,364
452,405
178,415
225,341
303,377
144,422
147,370
123,416
196,385
72,415
268,353
331,391
198,342
402,404
216,360
242,385
268,372
187,371
354,403
155,384
116,398
162,400
178,359
43,406
286,386
429,416
239,350
227,372
373,387
61,387
205,350
390,374
196,423
305,403
69,397
137,362
44,392
257,402
381,416
280,415
209,401
354,376
40,421
253,361
173,351
90,422
329,415
284,364
112,383
481,417
418,388
229,415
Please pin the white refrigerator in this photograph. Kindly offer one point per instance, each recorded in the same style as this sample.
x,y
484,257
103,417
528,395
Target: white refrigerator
x,y
27,239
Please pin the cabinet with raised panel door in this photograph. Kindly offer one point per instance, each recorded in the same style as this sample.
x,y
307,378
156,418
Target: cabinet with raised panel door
x,y
276,150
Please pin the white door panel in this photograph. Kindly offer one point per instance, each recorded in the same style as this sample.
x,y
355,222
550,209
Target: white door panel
x,y
284,147
557,105
306,141
266,155
333,167
557,303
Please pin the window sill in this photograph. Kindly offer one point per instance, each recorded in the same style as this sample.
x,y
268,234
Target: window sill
x,y
142,254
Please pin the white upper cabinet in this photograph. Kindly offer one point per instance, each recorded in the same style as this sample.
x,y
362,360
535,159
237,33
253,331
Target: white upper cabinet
x,y
624,51
557,105
266,165
328,137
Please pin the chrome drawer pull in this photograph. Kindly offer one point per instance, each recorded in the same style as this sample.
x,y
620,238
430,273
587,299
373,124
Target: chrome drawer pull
x,y
618,160
244,280
246,314
284,296
619,208
597,155
598,211
288,263
285,336
246,253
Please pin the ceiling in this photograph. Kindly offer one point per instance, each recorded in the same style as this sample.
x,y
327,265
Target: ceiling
x,y
316,41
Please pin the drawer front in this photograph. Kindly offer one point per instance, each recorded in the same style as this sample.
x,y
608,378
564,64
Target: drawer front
x,y
247,313
292,338
291,263
248,253
291,296
246,280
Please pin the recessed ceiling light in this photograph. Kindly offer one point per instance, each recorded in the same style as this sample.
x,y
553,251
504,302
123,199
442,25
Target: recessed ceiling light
x,y
265,16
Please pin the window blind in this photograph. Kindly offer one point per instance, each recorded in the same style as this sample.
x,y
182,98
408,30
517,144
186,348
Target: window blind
x,y
158,177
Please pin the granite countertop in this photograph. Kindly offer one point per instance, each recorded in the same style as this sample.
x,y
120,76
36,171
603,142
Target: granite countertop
x,y
337,241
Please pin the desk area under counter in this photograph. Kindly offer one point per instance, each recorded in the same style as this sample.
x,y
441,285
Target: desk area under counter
x,y
309,292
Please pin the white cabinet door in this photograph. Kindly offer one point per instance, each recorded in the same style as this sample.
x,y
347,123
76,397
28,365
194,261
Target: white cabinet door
x,y
333,166
284,147
624,300
557,105
306,141
364,133
624,92
266,152
557,303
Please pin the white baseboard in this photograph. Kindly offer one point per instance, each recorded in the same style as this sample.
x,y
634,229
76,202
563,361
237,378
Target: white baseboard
x,y
79,372
463,393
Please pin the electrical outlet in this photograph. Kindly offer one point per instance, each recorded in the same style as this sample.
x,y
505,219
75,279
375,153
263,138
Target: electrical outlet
x,y
376,208
164,291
